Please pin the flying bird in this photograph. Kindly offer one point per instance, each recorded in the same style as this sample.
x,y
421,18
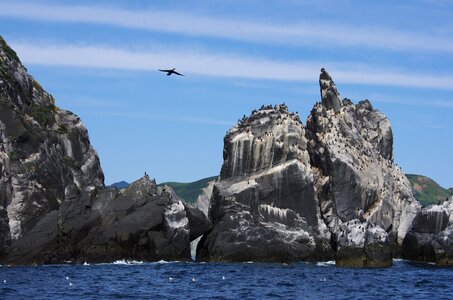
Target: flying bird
x,y
172,71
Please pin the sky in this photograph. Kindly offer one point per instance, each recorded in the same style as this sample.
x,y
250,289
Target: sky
x,y
99,59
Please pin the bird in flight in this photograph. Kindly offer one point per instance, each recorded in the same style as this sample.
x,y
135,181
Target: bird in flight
x,y
172,71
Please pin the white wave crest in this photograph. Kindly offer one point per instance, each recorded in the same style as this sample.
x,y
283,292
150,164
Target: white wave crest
x,y
326,263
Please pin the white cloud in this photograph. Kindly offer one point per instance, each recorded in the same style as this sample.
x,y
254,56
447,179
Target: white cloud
x,y
414,102
172,118
218,64
320,34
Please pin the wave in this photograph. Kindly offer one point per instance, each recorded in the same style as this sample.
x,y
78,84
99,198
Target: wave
x,y
326,263
127,262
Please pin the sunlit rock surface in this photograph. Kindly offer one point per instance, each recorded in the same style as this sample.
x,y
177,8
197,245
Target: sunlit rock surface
x,y
265,207
287,192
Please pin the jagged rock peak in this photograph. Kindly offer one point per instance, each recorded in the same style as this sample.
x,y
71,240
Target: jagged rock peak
x,y
329,94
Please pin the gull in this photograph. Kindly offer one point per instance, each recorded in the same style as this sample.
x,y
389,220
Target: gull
x,y
172,71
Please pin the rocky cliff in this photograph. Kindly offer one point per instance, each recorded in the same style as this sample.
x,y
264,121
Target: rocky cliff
x,y
431,237
265,206
351,151
53,204
142,222
330,189
43,149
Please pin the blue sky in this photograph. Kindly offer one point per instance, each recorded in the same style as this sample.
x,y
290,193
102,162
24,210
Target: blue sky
x,y
99,60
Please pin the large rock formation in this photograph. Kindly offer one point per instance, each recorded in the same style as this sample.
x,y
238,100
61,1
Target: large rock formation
x,y
431,236
288,193
53,204
265,207
351,153
43,149
142,222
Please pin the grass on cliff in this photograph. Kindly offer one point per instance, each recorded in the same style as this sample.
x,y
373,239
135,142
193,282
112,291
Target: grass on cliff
x,y
8,50
191,190
426,190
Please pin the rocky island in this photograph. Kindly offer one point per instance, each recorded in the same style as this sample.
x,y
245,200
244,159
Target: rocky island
x,y
326,190
54,207
288,191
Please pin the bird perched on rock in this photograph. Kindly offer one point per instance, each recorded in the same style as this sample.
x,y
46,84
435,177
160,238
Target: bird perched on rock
x,y
171,71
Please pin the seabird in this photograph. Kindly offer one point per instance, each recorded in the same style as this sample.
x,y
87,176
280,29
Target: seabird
x,y
172,71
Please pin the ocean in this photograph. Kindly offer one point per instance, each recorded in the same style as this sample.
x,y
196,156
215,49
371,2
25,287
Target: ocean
x,y
189,280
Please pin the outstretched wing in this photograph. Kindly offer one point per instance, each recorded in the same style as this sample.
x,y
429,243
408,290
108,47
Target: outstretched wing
x,y
165,70
177,73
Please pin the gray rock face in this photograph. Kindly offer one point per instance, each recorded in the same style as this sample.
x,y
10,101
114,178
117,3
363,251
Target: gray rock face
x,y
142,222
54,207
351,151
204,198
43,149
287,192
431,236
264,207
360,244
329,95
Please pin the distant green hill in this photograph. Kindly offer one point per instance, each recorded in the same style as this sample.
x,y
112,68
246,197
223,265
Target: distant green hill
x,y
426,190
191,190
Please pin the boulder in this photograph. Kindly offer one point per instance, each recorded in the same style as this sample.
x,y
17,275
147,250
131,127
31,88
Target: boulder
x,y
431,236
360,244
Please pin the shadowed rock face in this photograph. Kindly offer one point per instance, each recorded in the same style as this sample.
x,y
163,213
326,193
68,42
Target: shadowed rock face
x,y
54,207
43,149
141,222
431,236
297,189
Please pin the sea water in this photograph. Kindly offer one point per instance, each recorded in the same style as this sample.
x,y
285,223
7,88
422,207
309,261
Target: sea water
x,y
185,280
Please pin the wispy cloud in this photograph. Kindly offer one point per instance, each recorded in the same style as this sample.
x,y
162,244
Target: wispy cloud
x,y
218,64
442,103
315,34
91,102
173,118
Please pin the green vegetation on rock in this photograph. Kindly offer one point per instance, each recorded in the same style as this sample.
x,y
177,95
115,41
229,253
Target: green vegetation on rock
x,y
44,115
8,50
62,129
191,190
426,190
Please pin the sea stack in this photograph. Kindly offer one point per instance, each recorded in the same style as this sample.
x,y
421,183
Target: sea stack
x,y
327,190
264,207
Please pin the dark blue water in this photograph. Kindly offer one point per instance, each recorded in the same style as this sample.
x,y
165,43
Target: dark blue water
x,y
225,281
